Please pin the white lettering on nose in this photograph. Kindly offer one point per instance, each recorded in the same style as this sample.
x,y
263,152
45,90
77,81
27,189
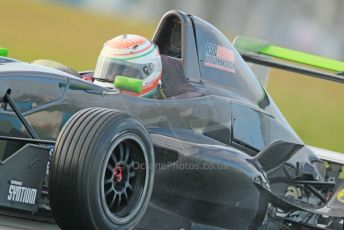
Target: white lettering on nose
x,y
21,194
9,197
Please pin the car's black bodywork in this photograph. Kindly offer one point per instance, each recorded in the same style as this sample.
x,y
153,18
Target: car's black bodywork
x,y
218,162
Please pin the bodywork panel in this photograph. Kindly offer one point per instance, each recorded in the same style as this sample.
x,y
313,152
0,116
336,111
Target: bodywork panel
x,y
21,177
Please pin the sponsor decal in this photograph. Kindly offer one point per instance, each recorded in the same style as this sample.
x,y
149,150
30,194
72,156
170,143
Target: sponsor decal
x,y
18,193
50,155
340,196
219,57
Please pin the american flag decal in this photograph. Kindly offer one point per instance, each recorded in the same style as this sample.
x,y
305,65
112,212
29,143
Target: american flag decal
x,y
219,57
225,54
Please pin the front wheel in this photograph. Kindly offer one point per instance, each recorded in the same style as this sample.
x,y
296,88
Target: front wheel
x,y
101,175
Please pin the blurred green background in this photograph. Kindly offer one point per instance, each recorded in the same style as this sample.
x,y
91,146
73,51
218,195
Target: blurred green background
x,y
34,30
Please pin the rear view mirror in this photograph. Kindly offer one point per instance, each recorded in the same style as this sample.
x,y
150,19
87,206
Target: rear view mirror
x,y
3,52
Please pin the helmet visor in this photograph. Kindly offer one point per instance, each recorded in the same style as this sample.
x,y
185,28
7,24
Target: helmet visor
x,y
107,69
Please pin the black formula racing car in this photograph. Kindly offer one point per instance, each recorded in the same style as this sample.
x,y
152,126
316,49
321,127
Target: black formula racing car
x,y
214,153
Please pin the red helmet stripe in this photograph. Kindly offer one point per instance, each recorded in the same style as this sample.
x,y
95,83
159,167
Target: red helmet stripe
x,y
131,53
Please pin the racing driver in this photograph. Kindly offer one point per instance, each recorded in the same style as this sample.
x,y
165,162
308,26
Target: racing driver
x,y
130,63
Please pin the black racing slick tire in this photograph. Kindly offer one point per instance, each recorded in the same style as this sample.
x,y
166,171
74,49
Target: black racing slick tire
x,y
100,174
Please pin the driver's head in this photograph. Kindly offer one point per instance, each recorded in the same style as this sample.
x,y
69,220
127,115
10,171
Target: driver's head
x,y
130,63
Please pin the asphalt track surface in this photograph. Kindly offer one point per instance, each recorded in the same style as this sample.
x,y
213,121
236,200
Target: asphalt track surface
x,y
14,223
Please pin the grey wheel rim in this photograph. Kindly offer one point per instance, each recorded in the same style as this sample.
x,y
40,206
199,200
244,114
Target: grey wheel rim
x,y
124,179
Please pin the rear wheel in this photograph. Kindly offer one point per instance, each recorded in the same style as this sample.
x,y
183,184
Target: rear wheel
x,y
100,177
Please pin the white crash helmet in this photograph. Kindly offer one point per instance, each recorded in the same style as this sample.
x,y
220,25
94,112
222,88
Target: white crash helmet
x,y
130,63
